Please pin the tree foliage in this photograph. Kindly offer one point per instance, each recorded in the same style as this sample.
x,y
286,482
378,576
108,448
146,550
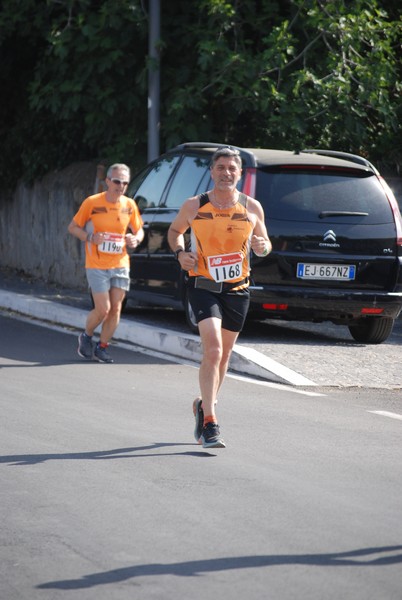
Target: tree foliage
x,y
269,73
292,74
77,71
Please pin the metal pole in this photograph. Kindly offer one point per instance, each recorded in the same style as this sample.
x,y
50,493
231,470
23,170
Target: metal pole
x,y
153,79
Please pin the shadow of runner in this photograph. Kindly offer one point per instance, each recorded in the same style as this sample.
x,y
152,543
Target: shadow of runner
x,y
116,453
353,558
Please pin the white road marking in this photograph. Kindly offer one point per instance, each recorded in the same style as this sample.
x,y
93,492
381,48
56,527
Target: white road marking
x,y
385,413
276,386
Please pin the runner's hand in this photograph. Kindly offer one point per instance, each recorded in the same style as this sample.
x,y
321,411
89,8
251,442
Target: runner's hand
x,y
131,240
187,260
259,245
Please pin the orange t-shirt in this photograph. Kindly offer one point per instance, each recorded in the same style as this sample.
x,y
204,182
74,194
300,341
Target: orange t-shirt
x,y
221,239
96,214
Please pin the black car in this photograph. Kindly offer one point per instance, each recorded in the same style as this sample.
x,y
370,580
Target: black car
x,y
334,224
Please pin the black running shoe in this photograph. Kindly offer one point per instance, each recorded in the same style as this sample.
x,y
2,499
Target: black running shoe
x,y
199,418
102,355
211,436
85,346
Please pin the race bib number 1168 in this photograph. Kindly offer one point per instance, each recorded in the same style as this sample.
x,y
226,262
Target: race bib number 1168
x,y
225,267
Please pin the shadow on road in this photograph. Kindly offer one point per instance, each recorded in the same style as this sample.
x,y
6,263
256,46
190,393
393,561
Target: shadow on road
x,y
354,558
116,453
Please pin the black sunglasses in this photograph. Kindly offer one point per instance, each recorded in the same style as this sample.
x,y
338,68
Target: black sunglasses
x,y
118,181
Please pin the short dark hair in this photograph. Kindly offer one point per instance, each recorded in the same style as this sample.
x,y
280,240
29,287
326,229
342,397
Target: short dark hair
x,y
226,151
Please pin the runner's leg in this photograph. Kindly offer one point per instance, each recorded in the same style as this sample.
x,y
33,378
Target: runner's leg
x,y
228,341
209,377
99,312
111,321
217,346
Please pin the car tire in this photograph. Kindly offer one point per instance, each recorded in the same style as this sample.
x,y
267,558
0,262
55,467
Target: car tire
x,y
374,330
190,317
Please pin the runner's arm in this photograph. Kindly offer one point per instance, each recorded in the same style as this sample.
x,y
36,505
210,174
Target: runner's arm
x,y
77,231
181,223
177,229
260,242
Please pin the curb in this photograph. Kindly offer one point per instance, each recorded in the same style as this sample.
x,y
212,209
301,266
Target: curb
x,y
244,360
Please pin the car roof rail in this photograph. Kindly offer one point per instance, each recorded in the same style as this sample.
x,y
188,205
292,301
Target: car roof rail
x,y
247,156
360,160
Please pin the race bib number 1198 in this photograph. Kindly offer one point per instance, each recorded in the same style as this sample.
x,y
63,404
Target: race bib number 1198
x,y
113,243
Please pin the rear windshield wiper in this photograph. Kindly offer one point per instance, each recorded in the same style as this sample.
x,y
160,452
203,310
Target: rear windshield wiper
x,y
341,213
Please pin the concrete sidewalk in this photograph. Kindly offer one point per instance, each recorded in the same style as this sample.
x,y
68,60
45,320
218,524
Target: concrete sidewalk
x,y
244,360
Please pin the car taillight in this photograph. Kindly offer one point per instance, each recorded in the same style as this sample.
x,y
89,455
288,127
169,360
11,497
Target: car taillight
x,y
371,311
275,306
249,182
395,209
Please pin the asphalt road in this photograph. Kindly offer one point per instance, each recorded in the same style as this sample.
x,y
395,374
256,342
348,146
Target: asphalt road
x,y
105,495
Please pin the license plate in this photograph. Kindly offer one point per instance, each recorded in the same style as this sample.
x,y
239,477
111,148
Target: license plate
x,y
333,272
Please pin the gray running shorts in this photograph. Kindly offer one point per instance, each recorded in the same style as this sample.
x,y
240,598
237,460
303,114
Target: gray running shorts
x,y
102,280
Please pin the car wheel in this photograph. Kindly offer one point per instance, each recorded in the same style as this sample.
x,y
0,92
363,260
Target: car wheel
x,y
190,317
372,330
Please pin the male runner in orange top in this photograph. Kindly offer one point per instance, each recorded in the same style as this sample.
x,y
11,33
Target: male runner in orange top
x,y
102,221
225,225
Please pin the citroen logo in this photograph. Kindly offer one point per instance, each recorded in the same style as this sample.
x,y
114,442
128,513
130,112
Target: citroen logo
x,y
329,240
329,236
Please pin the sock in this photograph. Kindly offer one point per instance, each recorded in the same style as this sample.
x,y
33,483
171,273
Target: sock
x,y
87,336
102,345
210,419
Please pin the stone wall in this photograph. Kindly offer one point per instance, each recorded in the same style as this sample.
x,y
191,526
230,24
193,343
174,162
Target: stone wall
x,y
33,226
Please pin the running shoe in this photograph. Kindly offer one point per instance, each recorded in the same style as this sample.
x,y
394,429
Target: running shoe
x,y
199,418
102,355
211,436
85,346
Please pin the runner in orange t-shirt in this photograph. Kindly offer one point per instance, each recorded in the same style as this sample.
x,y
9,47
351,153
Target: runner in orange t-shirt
x,y
225,226
102,222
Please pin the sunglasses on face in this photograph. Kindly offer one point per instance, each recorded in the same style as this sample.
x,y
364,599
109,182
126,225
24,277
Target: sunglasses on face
x,y
118,181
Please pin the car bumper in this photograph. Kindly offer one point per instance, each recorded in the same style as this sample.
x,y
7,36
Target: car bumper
x,y
319,305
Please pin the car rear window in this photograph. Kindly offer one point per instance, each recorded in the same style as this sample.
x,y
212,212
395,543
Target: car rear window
x,y
303,195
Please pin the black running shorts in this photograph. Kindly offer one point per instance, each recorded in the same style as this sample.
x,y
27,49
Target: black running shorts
x,y
230,307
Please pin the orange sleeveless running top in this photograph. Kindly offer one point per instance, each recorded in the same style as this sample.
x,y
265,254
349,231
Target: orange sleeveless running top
x,y
221,239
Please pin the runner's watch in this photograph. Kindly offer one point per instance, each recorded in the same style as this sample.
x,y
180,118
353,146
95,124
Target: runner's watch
x,y
177,252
